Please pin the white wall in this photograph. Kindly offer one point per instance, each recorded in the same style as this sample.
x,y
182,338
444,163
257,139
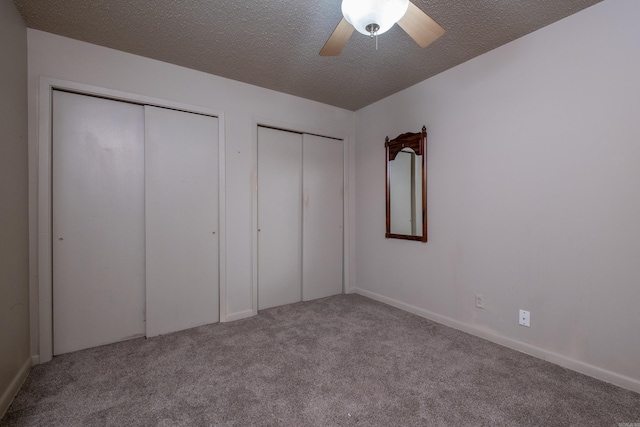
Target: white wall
x,y
15,359
243,106
533,194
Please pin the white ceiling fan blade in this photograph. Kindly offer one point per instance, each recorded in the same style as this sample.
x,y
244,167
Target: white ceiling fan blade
x,y
338,39
420,26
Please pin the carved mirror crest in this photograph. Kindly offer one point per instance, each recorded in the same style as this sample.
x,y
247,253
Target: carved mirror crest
x,y
407,186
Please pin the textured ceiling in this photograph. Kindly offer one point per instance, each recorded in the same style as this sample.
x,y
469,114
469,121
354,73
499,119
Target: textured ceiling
x,y
275,43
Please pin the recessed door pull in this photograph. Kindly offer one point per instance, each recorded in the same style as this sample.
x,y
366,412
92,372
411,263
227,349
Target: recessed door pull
x,y
60,238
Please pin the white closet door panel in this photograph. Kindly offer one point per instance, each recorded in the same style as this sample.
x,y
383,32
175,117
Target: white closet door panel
x,y
98,221
279,217
322,233
181,208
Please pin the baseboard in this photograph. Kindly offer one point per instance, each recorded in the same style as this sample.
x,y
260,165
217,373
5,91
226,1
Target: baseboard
x,y
35,359
558,359
240,315
14,387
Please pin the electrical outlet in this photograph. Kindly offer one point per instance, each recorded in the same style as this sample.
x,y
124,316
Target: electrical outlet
x,y
525,318
479,302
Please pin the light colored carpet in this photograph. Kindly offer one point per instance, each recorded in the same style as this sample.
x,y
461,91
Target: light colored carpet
x,y
344,360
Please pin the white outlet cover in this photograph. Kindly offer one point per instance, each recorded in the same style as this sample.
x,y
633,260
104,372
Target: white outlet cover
x,y
479,301
525,318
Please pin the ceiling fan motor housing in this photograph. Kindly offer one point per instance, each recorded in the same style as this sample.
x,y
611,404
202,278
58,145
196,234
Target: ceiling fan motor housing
x,y
365,15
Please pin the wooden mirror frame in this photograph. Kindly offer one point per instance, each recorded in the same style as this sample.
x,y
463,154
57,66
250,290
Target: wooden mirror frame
x,y
418,143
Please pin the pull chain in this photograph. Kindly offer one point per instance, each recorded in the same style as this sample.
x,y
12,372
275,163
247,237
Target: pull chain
x,y
373,31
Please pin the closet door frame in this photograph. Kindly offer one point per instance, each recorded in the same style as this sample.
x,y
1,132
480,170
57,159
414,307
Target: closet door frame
x,y
42,314
346,201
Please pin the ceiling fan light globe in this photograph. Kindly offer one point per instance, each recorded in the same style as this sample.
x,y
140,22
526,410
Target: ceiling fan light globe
x,y
385,13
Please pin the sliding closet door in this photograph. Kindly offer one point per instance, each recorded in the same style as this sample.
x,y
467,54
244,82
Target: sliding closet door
x,y
181,208
323,193
98,221
279,217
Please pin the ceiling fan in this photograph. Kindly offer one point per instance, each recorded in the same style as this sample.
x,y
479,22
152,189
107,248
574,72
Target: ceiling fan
x,y
374,17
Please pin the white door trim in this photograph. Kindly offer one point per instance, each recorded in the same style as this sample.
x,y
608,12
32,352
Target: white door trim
x,y
329,133
43,329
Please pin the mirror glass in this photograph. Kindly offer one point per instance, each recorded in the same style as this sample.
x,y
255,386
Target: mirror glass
x,y
405,183
406,186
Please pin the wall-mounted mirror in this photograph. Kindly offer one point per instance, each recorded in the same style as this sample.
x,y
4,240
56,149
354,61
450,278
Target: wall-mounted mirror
x,y
407,186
